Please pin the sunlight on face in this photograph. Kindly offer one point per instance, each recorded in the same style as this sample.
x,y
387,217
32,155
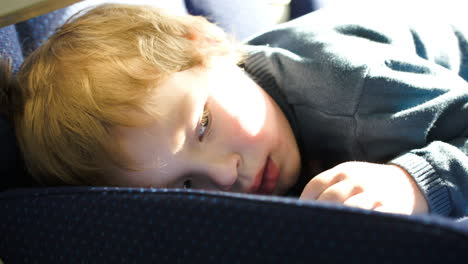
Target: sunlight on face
x,y
241,101
242,132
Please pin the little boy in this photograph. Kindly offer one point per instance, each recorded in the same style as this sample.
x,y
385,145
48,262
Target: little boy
x,y
132,96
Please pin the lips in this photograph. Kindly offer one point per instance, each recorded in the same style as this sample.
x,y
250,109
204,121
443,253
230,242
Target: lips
x,y
266,179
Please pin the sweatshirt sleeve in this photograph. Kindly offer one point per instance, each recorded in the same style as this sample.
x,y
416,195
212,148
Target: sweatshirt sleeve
x,y
382,88
413,107
440,169
416,104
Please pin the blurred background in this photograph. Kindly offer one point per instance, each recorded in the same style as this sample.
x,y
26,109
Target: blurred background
x,y
240,18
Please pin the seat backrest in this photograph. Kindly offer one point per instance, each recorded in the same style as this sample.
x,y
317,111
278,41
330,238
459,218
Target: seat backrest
x,y
118,225
16,42
10,46
12,171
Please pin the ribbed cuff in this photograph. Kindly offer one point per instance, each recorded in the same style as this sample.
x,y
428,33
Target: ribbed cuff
x,y
430,183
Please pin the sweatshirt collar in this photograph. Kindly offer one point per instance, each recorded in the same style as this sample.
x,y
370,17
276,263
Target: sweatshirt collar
x,y
257,64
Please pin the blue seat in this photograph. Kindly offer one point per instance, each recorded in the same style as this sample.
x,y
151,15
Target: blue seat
x,y
118,225
129,225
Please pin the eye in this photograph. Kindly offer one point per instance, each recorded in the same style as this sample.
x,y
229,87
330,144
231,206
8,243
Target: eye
x,y
187,184
204,124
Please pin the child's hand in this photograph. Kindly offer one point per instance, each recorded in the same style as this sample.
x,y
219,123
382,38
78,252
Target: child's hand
x,y
386,188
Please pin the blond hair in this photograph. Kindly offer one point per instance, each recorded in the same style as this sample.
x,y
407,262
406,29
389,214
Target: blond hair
x,y
90,73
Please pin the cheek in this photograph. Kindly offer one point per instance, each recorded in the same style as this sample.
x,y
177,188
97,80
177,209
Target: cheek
x,y
245,105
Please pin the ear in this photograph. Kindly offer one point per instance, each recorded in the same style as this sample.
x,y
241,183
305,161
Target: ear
x,y
212,43
206,34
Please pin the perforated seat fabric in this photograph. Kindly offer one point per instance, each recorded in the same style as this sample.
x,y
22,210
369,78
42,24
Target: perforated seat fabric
x,y
115,225
10,46
16,42
33,32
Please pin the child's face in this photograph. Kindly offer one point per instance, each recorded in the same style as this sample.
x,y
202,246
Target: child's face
x,y
220,131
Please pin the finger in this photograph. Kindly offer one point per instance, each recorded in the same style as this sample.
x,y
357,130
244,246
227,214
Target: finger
x,y
320,183
339,192
362,200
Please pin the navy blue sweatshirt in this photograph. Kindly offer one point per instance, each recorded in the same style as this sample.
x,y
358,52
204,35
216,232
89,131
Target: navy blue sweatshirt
x,y
376,87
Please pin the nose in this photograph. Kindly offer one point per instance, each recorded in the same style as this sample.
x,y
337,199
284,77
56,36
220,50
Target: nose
x,y
223,171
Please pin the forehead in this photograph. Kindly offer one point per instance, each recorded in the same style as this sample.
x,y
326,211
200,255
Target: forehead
x,y
176,100
175,95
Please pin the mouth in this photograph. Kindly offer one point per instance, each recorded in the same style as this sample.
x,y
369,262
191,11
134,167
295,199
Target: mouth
x,y
266,179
